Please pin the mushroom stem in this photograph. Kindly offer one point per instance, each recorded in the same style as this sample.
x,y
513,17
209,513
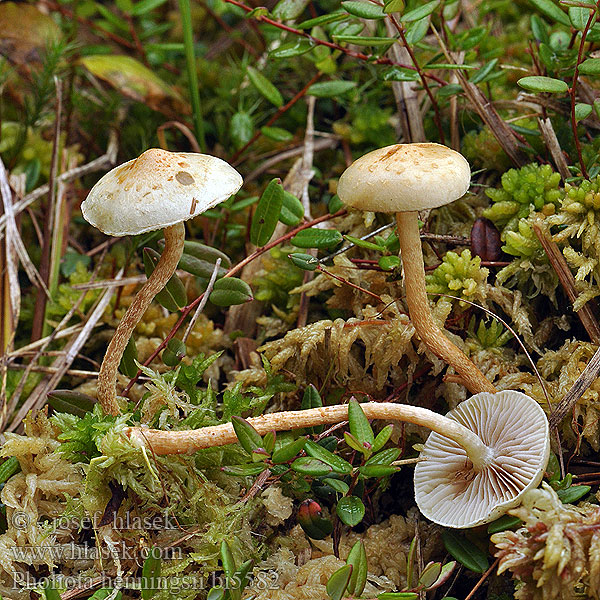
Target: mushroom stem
x,y
107,379
185,442
418,306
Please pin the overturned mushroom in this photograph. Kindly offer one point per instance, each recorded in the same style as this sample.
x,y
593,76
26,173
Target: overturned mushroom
x,y
478,462
404,179
157,190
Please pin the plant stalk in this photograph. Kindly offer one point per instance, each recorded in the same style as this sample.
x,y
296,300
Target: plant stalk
x,y
185,442
169,259
420,313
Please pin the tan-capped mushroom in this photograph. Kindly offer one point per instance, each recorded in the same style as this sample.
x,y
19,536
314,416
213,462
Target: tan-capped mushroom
x,y
404,179
452,490
482,457
157,190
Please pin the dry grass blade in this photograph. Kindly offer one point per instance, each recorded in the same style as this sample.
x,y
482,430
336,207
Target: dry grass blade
x,y
484,108
559,264
207,292
103,162
582,383
38,397
553,146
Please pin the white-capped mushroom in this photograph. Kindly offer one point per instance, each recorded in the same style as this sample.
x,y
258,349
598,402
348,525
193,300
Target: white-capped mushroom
x,y
482,457
404,179
451,491
157,190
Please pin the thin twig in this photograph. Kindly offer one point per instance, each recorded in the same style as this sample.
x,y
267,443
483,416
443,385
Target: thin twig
x,y
205,295
559,264
482,579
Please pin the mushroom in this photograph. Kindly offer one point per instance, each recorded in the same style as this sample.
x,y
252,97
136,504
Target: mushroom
x,y
452,490
157,190
404,179
482,457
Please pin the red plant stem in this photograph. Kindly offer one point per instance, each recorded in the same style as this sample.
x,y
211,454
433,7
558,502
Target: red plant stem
x,y
436,108
573,89
276,116
381,60
352,285
233,271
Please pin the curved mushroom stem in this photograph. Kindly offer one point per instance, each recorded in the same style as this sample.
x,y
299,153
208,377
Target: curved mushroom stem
x,y
185,442
418,306
107,394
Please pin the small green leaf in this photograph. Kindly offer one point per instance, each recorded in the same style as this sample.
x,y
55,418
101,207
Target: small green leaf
x,y
306,262
277,134
207,253
69,401
401,74
398,596
363,10
338,464
359,425
573,493
377,470
249,470
360,40
382,437
582,110
227,559
216,593
247,436
358,559
337,484
392,6
481,75
150,583
385,457
269,441
50,593
199,267
579,15
364,244
420,12
128,365
173,296
311,397
145,6
552,11
590,66
292,210
350,510
289,451
317,238
538,83
290,49
503,523
323,20
174,352
9,468
289,9
430,574
267,213
338,582
389,263
229,291
264,86
353,442
241,128
464,551
330,89
334,204
311,466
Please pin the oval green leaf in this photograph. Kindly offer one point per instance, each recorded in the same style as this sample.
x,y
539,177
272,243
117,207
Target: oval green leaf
x,y
538,83
306,262
420,12
173,296
317,238
330,89
267,213
350,510
264,86
464,551
292,210
363,10
338,464
229,291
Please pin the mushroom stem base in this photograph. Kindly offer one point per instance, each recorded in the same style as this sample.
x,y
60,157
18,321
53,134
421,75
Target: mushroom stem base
x,y
185,442
420,313
107,394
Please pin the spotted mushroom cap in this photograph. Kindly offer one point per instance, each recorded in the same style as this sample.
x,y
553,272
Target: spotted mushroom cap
x,y
405,177
158,189
451,493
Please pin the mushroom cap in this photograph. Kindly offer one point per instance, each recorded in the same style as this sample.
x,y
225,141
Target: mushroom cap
x,y
450,492
405,177
158,189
